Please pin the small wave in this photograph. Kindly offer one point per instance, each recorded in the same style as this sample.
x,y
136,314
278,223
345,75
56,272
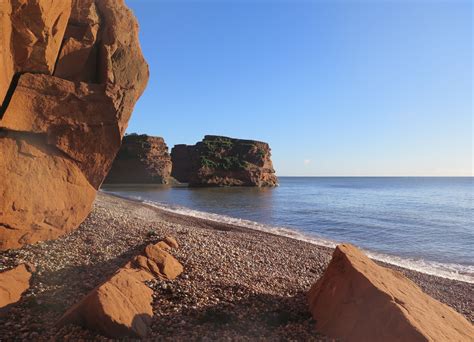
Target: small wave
x,y
443,270
282,231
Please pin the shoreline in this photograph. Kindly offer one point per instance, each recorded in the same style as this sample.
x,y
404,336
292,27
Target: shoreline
x,y
237,282
433,268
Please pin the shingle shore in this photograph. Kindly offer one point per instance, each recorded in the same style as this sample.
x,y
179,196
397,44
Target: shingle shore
x,y
238,284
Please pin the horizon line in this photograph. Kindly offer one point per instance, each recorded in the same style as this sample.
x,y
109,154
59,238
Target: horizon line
x,y
378,176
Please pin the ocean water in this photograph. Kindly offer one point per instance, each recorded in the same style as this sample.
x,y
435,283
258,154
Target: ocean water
x,y
426,224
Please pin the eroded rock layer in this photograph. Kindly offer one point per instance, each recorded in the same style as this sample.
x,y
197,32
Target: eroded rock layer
x,y
31,36
358,300
72,72
223,161
141,159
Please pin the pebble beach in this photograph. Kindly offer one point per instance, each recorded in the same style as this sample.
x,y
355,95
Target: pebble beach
x,y
238,284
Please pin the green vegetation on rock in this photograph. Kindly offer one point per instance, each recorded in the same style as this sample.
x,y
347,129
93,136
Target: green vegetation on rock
x,y
222,153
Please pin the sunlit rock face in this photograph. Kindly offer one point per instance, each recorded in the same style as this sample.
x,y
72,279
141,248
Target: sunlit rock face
x,y
121,306
31,37
13,283
358,300
223,161
72,71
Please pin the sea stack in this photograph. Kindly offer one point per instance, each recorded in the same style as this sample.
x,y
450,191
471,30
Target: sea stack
x,y
142,159
72,71
223,161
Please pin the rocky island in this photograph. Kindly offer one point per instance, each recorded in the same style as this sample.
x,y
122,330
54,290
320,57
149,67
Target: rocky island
x,y
223,161
142,159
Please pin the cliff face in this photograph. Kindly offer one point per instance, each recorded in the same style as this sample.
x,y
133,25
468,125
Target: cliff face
x,y
141,159
223,161
71,72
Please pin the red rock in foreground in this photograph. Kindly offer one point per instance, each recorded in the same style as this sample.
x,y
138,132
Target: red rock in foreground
x,y
168,266
43,194
171,241
12,285
121,306
72,71
358,300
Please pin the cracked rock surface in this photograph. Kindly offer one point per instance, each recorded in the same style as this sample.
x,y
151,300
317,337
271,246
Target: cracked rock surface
x,y
71,73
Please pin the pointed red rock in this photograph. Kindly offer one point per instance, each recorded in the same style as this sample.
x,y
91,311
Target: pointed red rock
x,y
358,300
118,308
121,306
13,284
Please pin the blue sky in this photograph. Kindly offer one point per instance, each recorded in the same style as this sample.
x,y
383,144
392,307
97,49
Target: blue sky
x,y
338,88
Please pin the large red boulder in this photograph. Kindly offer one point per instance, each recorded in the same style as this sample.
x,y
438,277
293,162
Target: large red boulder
x,y
73,70
358,300
13,283
121,306
43,194
78,119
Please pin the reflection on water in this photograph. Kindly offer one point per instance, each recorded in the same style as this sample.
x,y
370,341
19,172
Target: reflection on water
x,y
429,218
252,203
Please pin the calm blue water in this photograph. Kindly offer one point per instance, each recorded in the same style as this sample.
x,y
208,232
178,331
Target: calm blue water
x,y
424,221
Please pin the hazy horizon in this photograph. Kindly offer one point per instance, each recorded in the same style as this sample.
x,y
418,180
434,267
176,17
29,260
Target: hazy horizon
x,y
346,88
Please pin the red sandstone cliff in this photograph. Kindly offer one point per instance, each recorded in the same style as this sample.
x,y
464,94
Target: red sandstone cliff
x,y
71,72
141,159
223,161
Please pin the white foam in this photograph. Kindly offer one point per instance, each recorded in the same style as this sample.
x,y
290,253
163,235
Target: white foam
x,y
282,231
444,270
450,271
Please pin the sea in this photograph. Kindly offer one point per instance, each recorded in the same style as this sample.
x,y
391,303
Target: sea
x,y
421,223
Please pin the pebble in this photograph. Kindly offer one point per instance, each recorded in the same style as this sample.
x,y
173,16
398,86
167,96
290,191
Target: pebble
x,y
235,280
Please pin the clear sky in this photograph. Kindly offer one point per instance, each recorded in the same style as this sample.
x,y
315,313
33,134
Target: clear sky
x,y
335,87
